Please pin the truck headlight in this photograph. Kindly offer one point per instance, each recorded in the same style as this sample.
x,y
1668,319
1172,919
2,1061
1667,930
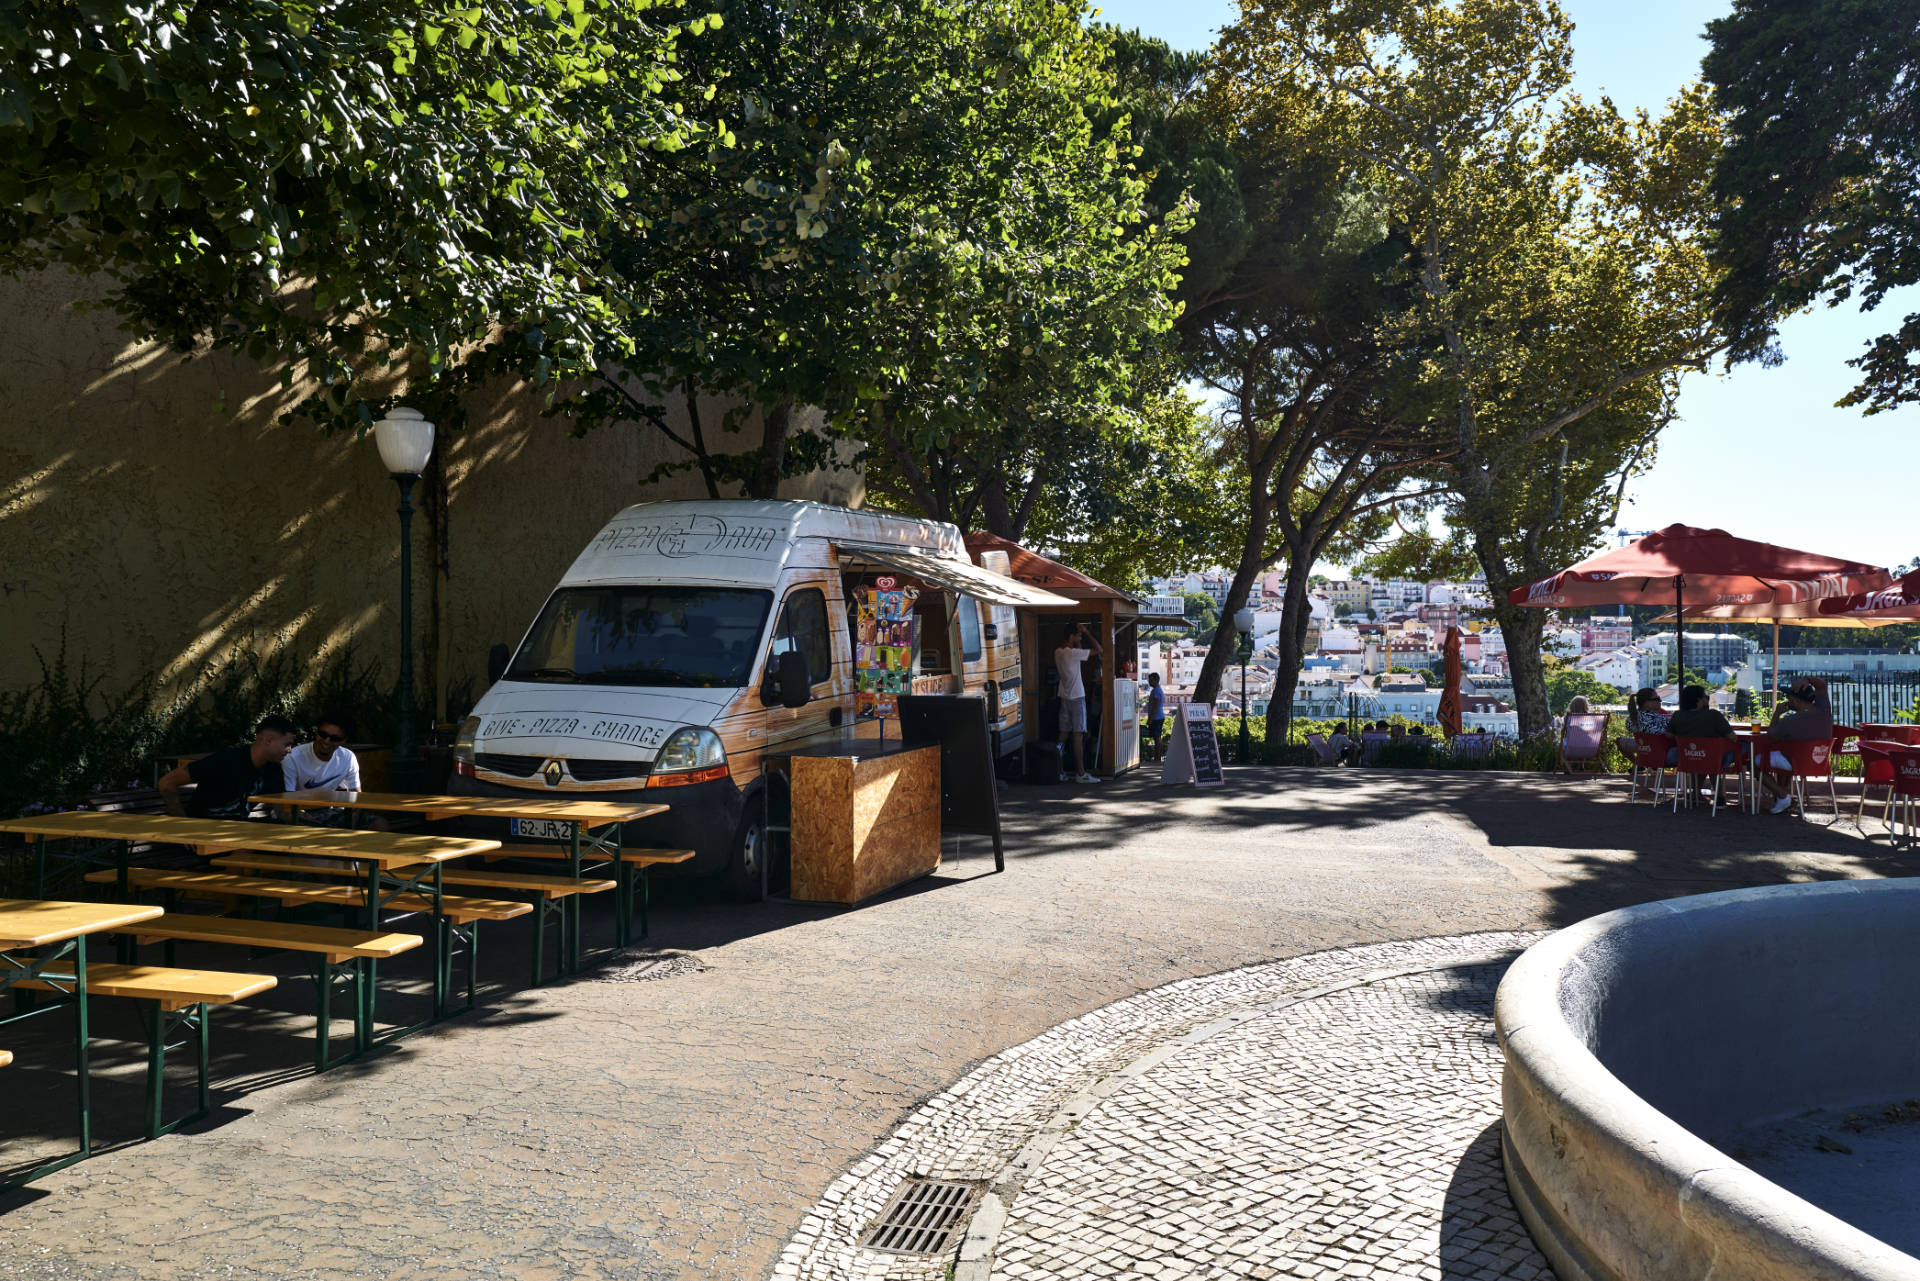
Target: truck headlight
x,y
691,754
463,746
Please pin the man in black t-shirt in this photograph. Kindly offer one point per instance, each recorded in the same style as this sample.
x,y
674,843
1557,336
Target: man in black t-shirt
x,y
223,781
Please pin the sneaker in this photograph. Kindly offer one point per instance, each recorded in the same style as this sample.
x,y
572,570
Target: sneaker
x,y
1086,778
1782,805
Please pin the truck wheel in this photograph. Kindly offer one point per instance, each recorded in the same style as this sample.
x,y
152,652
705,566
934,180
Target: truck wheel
x,y
744,866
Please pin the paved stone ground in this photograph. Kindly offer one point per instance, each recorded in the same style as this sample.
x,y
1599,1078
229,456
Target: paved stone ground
x,y
1333,1114
684,1127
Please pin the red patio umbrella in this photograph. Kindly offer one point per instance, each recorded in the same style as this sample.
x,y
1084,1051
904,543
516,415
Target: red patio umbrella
x,y
1899,601
1681,566
1449,710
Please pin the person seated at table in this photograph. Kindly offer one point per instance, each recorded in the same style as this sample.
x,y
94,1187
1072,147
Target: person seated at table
x,y
1697,719
223,781
1647,716
1806,716
326,764
1340,746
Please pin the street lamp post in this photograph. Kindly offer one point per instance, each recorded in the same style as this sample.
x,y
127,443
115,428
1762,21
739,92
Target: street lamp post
x,y
405,441
1243,623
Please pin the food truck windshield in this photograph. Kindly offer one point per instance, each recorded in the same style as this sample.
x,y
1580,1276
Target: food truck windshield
x,y
645,635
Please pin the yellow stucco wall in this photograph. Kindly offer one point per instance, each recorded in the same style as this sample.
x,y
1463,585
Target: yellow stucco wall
x,y
160,532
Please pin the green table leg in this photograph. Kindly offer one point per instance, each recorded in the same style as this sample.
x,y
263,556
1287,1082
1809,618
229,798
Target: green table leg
x,y
570,909
81,1053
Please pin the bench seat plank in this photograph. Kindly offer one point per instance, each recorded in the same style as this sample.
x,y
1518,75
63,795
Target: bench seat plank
x,y
337,944
639,857
551,886
173,988
459,908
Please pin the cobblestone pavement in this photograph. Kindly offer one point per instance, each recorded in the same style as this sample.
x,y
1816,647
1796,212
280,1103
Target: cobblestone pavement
x,y
1329,1115
684,1126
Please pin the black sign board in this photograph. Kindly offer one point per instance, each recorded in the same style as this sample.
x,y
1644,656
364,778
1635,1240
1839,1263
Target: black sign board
x,y
1194,753
968,799
1206,748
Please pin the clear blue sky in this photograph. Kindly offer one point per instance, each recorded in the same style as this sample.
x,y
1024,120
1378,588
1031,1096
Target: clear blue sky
x,y
1761,452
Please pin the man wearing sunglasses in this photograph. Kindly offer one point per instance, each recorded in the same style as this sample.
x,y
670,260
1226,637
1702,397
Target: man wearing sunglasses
x,y
327,763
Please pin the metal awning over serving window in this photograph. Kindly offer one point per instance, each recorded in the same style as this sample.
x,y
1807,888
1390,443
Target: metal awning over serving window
x,y
956,575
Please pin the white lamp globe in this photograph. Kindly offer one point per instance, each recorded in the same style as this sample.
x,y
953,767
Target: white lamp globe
x,y
405,439
1243,621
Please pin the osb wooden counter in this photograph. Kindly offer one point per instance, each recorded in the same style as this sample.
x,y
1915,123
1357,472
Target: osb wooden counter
x,y
866,817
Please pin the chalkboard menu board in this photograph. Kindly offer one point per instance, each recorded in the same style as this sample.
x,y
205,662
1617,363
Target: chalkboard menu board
x,y
1194,753
969,801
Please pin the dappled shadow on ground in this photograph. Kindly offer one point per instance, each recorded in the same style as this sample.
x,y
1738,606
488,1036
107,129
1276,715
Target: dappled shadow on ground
x,y
1481,1235
1578,840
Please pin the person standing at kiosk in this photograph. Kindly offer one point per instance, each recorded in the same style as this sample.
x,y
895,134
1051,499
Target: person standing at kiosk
x,y
1077,646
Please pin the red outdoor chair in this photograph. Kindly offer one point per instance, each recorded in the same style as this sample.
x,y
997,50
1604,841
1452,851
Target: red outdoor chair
x,y
1905,788
1846,740
1583,741
1702,758
1876,770
1649,753
1808,760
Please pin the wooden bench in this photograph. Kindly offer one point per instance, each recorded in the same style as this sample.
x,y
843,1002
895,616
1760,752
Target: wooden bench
x,y
331,947
459,918
455,908
180,999
630,861
550,886
551,889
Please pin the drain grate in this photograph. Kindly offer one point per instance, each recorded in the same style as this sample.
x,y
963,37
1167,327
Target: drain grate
x,y
922,1217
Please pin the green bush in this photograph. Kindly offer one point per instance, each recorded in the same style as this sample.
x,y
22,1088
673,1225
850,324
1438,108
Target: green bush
x,y
69,736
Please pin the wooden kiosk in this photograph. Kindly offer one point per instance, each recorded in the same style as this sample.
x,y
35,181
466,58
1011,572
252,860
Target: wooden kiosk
x,y
1113,680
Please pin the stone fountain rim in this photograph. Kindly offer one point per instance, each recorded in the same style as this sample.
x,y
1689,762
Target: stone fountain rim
x,y
1656,1167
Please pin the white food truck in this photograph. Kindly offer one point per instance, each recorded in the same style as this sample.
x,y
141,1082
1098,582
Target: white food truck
x,y
691,637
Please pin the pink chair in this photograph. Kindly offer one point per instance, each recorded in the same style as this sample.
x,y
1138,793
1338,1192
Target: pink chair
x,y
1583,741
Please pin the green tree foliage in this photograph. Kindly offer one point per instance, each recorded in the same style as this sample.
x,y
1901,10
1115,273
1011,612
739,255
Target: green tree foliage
x,y
1203,612
1291,278
1567,683
921,229
351,190
1818,188
1556,278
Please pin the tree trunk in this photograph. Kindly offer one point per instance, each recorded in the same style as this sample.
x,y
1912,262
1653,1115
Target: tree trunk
x,y
1225,638
1523,629
776,423
1295,612
995,512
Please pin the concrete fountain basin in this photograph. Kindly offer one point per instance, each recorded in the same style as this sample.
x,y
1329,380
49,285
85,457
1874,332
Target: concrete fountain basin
x,y
1631,1035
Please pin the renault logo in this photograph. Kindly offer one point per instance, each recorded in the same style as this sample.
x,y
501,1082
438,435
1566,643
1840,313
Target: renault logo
x,y
552,773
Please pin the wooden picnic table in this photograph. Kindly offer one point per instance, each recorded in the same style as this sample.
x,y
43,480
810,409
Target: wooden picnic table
x,y
563,818
56,930
395,864
585,815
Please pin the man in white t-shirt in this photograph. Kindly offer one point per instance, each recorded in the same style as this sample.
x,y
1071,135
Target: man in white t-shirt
x,y
1075,649
325,764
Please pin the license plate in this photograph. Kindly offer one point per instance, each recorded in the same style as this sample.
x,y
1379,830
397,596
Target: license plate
x,y
543,829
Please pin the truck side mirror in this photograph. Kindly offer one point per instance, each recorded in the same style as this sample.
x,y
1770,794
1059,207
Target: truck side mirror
x,y
788,682
496,664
